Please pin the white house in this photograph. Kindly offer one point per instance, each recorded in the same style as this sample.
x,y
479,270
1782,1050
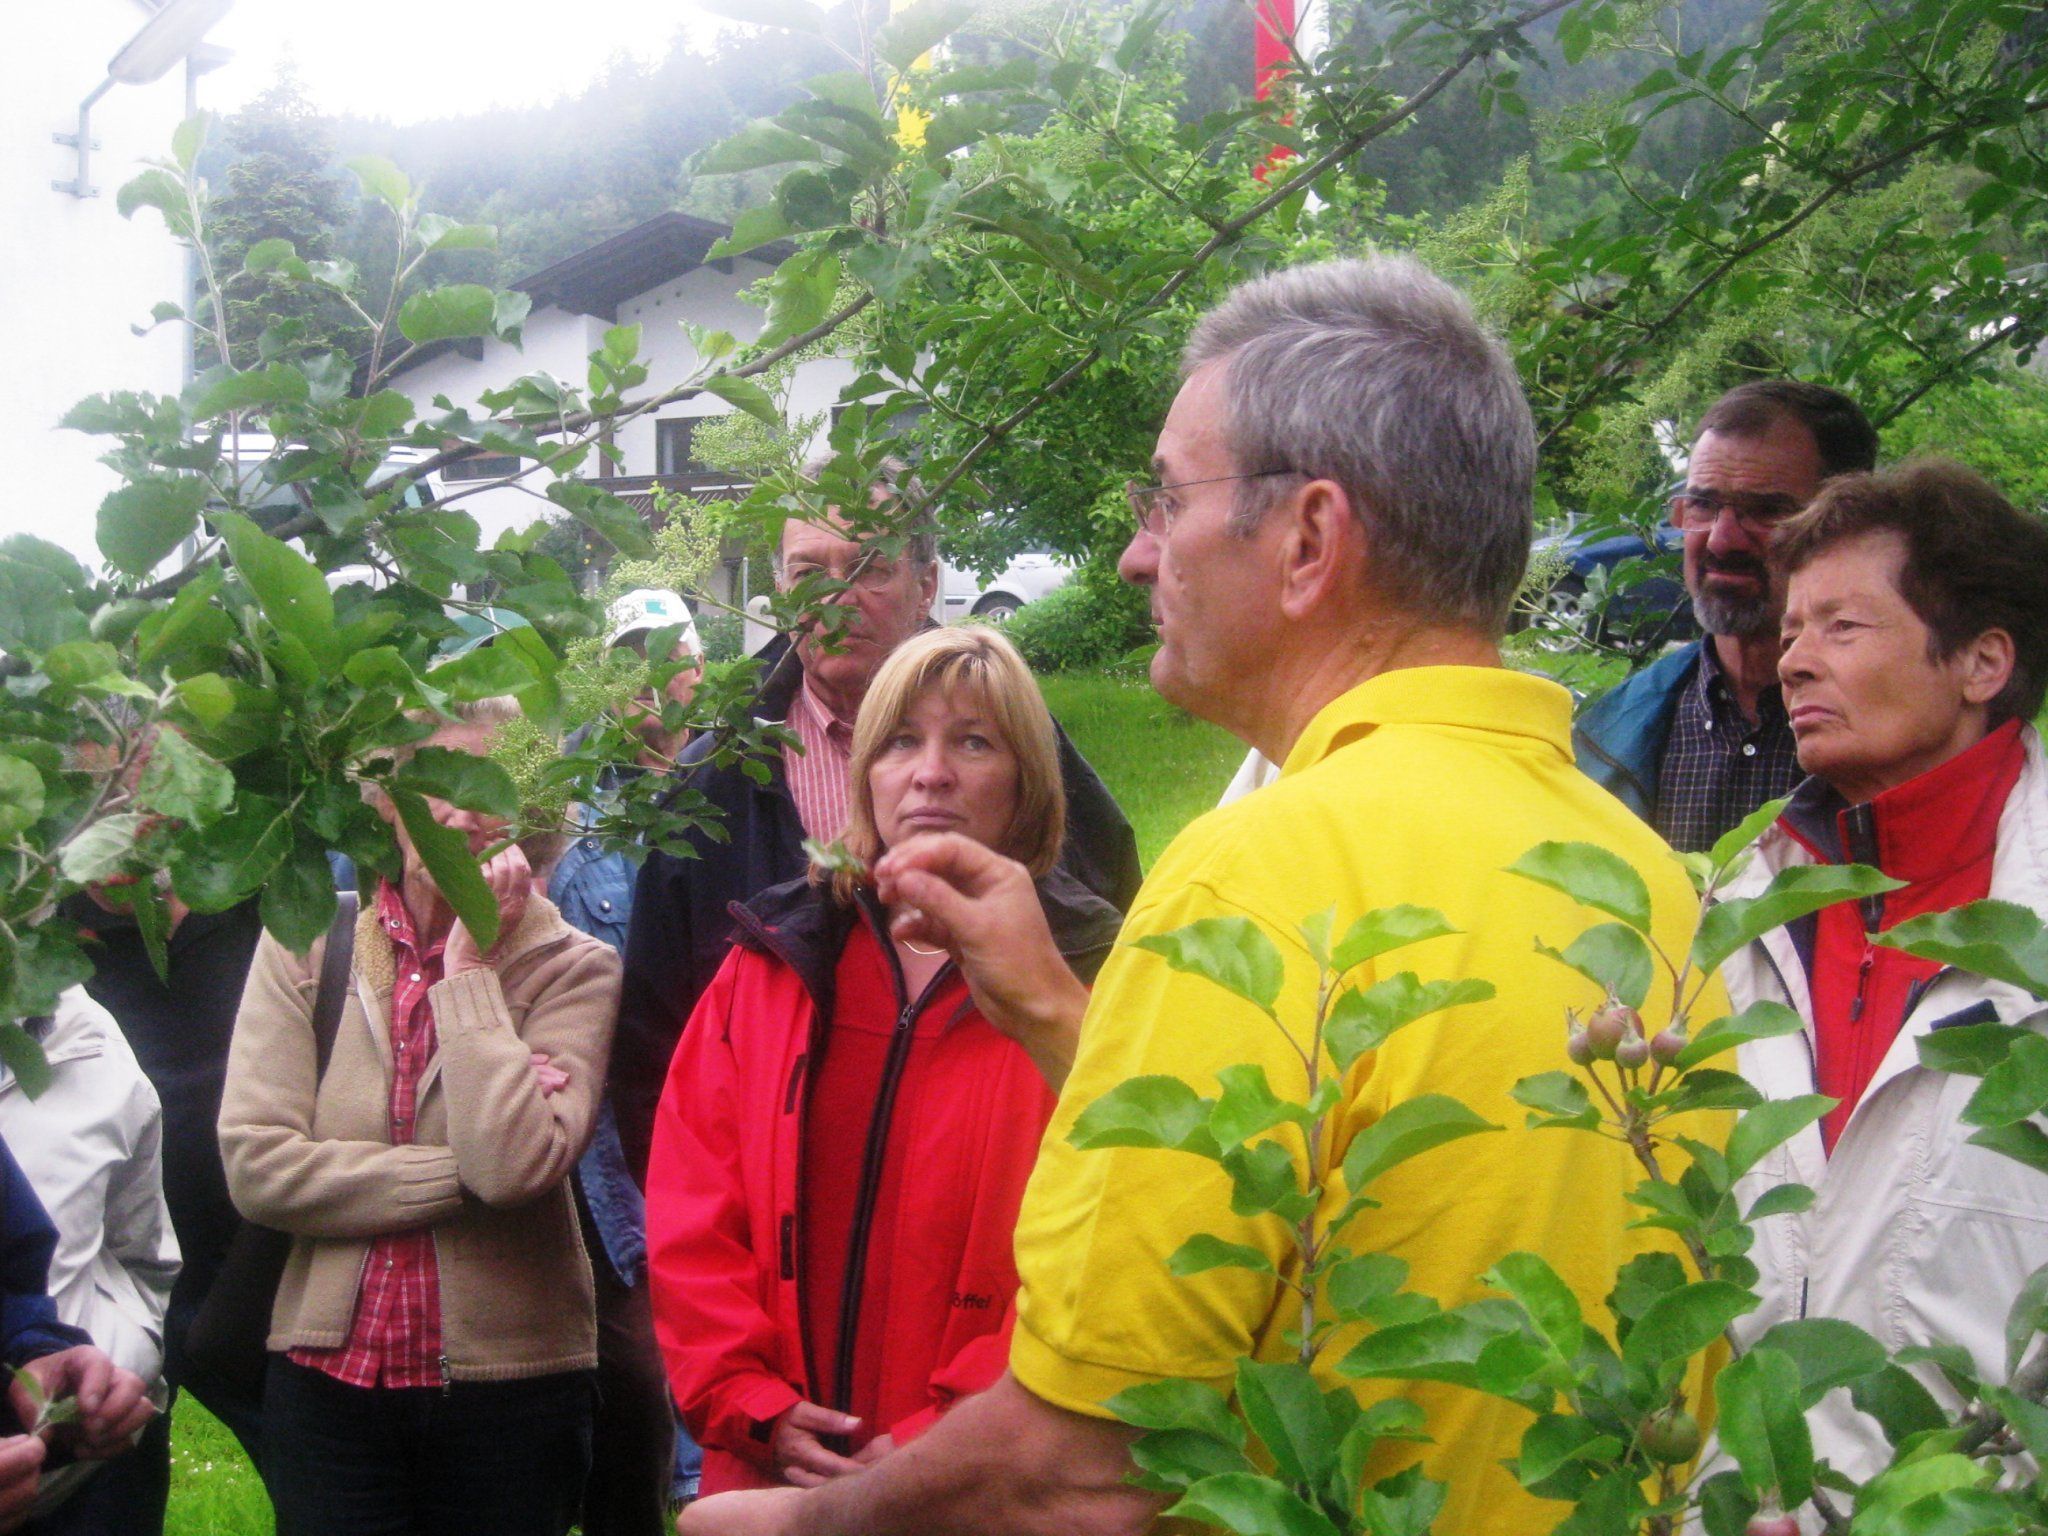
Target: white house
x,y
74,275
656,276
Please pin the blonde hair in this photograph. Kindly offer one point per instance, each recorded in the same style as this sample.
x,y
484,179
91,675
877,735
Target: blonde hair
x,y
986,664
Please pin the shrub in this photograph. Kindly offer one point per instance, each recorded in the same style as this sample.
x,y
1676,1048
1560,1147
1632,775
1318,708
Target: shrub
x,y
1093,620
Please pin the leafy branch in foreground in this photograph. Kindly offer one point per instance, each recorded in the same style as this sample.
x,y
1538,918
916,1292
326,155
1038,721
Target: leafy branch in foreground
x,y
1614,1434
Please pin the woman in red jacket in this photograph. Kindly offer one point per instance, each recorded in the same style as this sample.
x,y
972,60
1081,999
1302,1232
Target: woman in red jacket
x,y
843,1141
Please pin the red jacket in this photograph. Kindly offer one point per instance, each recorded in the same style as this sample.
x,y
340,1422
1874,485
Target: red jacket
x,y
725,1180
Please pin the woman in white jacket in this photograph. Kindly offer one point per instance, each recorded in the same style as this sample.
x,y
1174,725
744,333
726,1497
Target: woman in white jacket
x,y
1916,653
92,1147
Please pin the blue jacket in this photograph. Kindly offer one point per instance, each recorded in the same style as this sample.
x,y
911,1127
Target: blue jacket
x,y
1619,738
29,1328
593,887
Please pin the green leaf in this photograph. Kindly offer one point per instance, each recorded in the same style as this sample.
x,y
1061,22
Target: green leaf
x,y
1557,1441
25,1059
235,856
1146,1112
102,849
458,312
1995,939
275,255
1233,952
1442,1347
1405,1504
1782,1200
1759,1021
288,586
1544,1296
437,232
2015,1088
1404,1131
1828,1353
756,147
1902,1406
2027,1318
609,516
78,662
456,872
298,900
1682,1322
917,29
1746,831
220,391
1251,1505
799,297
1770,1125
2025,1143
143,522
21,796
382,180
1361,1021
162,191
751,229
182,781
1614,957
1358,1287
460,778
746,395
1248,1106
1763,1426
1263,1179
1284,1406
1203,1252
1969,1049
1592,876
189,138
1179,1405
1556,1099
1793,893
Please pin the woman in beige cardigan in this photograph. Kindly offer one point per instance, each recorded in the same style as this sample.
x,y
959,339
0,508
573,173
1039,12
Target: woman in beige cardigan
x,y
433,1337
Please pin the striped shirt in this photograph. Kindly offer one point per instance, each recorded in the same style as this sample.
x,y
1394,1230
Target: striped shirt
x,y
395,1340
819,766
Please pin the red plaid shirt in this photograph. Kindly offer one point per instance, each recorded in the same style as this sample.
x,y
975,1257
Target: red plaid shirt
x,y
395,1340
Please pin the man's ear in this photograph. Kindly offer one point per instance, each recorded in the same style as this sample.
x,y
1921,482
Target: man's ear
x,y
928,585
1321,550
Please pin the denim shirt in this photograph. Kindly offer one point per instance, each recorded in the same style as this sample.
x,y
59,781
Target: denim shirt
x,y
594,889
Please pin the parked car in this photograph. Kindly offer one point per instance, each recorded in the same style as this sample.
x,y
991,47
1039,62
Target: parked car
x,y
1606,593
1025,579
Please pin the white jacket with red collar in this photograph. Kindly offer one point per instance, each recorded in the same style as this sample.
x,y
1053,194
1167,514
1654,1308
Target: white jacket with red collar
x,y
1914,1235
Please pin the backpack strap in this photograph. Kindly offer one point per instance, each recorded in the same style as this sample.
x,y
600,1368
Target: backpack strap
x,y
334,971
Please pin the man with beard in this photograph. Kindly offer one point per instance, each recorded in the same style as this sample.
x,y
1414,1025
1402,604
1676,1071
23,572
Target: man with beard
x,y
1699,740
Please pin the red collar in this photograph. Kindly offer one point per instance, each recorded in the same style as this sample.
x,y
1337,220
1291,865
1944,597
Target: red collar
x,y
1946,819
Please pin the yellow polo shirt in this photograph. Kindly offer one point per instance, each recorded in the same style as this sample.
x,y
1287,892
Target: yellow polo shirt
x,y
1418,786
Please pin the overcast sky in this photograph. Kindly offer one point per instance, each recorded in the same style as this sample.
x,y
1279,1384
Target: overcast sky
x,y
411,59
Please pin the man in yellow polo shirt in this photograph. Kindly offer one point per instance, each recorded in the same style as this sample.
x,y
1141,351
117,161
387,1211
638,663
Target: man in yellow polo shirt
x,y
1340,521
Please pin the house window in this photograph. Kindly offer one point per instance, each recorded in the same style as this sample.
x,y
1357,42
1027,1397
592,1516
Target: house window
x,y
674,445
482,466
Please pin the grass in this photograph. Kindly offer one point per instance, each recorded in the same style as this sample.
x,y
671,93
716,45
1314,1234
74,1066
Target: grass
x,y
1164,766
214,1490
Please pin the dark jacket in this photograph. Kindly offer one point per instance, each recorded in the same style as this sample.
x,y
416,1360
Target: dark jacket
x,y
959,1114
1619,738
681,920
29,1328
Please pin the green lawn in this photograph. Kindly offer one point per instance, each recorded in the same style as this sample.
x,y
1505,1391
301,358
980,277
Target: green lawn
x,y
1164,766
214,1490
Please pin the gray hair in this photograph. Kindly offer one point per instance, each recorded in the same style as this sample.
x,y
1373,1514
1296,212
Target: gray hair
x,y
895,483
1377,375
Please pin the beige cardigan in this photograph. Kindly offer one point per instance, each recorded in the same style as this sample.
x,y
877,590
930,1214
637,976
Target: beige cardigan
x,y
488,1172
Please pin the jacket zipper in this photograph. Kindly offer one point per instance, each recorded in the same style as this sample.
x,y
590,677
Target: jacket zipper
x,y
790,1236
871,1172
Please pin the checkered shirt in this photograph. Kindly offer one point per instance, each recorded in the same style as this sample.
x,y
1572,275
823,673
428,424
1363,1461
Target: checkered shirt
x,y
1717,766
395,1340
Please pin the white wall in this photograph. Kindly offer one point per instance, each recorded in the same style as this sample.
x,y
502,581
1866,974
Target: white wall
x,y
74,275
560,343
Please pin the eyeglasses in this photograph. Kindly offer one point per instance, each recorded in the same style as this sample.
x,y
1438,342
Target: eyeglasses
x,y
869,572
1700,510
1155,506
